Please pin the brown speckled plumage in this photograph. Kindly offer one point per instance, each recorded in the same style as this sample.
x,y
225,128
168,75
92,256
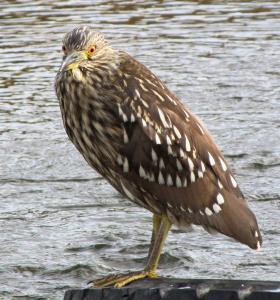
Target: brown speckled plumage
x,y
145,142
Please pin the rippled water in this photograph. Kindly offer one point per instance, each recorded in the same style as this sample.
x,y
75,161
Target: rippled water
x,y
60,223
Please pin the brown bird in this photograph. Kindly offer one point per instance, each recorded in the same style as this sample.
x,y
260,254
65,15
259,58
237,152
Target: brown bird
x,y
139,136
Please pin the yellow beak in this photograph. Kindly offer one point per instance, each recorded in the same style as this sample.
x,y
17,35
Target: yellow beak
x,y
73,60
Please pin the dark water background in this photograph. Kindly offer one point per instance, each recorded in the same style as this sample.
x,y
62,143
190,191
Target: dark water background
x,y
60,223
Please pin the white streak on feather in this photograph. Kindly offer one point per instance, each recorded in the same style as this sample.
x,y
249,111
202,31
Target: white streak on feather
x,y
142,172
220,199
178,181
169,180
220,184
125,165
224,166
179,165
144,103
233,181
119,159
160,178
168,140
208,211
192,177
216,208
158,142
158,95
161,164
187,144
200,174
191,165
154,155
162,118
137,93
202,166
125,136
177,132
211,159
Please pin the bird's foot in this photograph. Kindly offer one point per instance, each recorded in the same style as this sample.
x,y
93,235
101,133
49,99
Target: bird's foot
x,y
121,280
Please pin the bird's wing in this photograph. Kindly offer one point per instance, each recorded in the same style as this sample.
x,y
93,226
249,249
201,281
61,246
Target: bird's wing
x,y
167,153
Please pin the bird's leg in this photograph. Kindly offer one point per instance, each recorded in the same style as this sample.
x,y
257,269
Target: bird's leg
x,y
156,224
161,227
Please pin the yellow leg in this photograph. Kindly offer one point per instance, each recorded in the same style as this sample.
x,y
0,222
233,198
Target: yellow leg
x,y
161,227
156,224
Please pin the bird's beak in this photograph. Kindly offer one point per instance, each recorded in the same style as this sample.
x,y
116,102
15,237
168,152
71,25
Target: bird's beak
x,y
73,60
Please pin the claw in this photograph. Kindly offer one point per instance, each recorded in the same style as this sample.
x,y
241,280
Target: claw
x,y
120,280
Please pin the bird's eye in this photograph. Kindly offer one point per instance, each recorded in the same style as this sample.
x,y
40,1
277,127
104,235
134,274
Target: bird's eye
x,y
63,48
91,50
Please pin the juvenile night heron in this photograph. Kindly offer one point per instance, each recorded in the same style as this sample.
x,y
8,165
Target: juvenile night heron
x,y
140,137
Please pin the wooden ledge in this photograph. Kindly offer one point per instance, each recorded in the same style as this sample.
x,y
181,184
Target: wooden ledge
x,y
183,289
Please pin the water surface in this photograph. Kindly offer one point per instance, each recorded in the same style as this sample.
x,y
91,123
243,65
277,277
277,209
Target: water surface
x,y
61,224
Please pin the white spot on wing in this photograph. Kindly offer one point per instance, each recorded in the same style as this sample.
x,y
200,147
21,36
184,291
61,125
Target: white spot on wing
x,y
154,155
169,150
168,140
202,166
178,181
132,118
127,192
191,165
159,96
220,199
161,164
224,166
142,172
144,103
173,101
157,139
179,165
192,177
119,159
177,132
182,154
233,181
169,180
200,174
200,128
220,184
208,211
137,93
122,114
162,118
160,178
125,137
143,87
125,165
188,145
216,208
186,114
211,159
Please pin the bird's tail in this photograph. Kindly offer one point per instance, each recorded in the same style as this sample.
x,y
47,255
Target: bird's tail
x,y
236,220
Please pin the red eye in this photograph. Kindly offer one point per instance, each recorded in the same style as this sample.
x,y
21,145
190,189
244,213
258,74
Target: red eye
x,y
91,50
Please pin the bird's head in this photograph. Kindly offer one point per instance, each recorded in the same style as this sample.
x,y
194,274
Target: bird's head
x,y
83,46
